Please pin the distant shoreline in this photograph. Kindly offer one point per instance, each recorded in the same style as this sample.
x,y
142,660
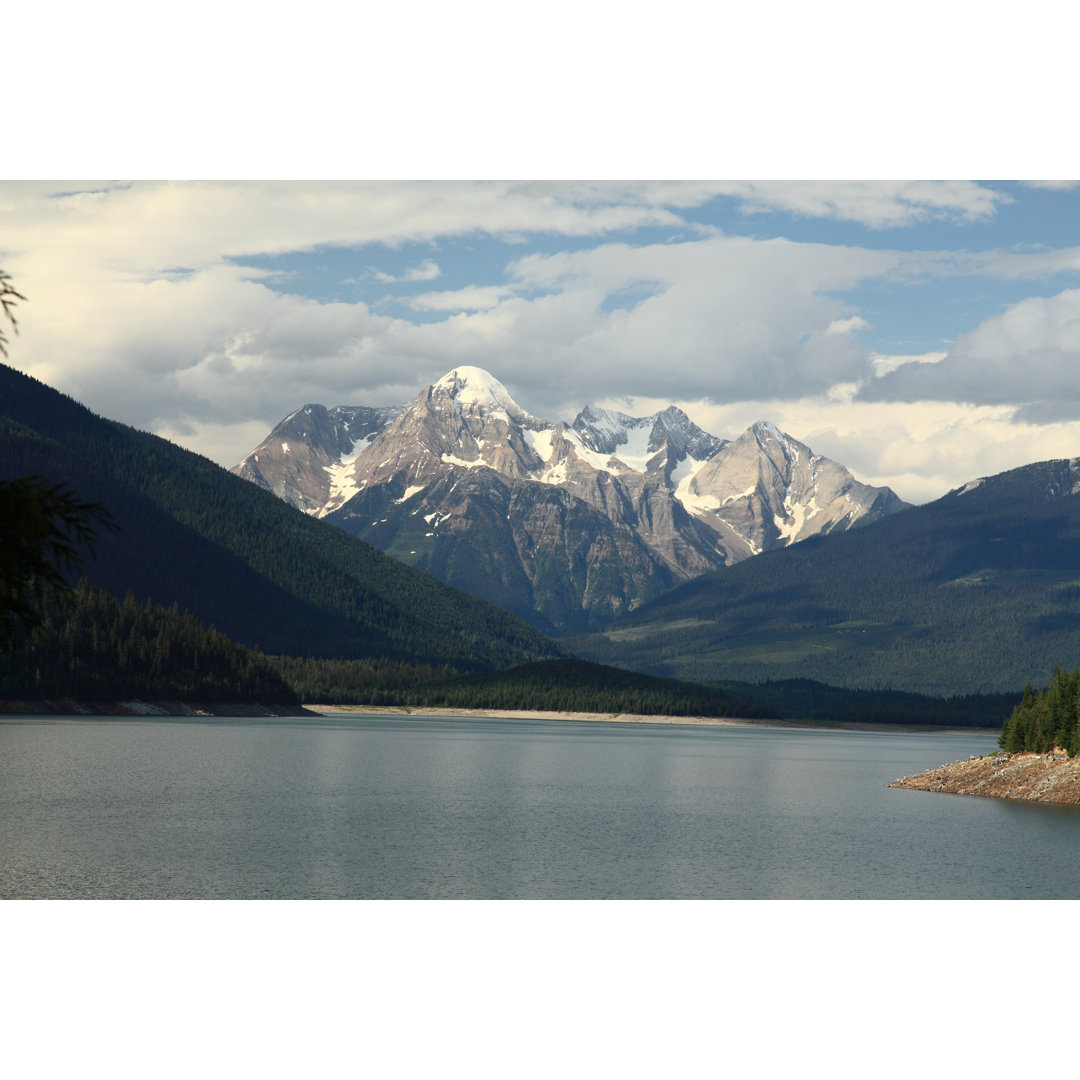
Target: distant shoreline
x,y
69,707
631,718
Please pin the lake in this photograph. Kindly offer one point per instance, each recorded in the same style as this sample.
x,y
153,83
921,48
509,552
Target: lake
x,y
403,807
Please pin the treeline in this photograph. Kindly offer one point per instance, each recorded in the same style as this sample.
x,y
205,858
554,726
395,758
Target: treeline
x,y
1046,719
556,685
811,700
357,682
90,646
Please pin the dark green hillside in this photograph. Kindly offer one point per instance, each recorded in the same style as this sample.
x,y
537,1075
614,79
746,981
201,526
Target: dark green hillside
x,y
805,699
238,558
976,592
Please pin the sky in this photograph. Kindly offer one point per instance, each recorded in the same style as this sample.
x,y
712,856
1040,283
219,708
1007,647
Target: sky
x,y
923,333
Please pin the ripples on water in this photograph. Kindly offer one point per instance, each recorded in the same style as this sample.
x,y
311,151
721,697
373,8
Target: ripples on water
x,y
407,807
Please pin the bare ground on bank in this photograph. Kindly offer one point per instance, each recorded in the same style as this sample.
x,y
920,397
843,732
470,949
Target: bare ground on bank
x,y
629,718
1046,778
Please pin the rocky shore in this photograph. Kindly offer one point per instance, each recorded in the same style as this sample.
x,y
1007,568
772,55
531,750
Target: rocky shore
x,y
1045,778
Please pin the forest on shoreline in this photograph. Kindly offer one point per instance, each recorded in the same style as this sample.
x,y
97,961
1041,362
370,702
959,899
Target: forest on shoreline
x,y
1046,720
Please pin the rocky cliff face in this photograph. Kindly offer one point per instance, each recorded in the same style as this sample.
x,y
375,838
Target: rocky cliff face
x,y
767,490
306,459
566,525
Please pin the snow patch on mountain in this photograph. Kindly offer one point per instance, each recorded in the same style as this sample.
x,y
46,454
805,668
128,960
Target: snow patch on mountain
x,y
685,469
453,459
343,485
797,515
635,452
694,501
540,442
600,462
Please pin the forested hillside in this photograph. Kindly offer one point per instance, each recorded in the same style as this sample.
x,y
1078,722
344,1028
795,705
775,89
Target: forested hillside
x,y
977,592
238,558
94,648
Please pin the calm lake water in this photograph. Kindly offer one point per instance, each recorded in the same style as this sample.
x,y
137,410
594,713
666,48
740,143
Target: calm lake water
x,y
409,807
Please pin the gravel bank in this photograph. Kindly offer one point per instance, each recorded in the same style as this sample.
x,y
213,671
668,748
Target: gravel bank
x,y
1047,778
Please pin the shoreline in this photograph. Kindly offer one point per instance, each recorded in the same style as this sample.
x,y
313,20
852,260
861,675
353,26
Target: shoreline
x,y
633,718
45,708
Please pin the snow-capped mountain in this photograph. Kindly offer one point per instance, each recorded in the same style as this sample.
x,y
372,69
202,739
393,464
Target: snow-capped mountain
x,y
567,525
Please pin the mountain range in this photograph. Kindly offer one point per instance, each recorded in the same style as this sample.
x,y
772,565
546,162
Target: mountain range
x,y
566,525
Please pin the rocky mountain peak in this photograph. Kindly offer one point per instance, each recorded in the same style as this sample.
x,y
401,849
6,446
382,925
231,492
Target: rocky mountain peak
x,y
474,391
635,439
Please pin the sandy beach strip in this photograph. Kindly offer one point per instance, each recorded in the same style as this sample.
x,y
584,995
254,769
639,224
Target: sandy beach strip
x,y
538,714
360,711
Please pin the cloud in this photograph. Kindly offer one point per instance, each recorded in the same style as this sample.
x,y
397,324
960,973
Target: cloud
x,y
473,298
882,365
727,318
1028,355
138,307
878,204
1052,185
847,326
428,270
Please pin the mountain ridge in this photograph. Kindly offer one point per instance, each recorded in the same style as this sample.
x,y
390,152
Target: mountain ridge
x,y
566,525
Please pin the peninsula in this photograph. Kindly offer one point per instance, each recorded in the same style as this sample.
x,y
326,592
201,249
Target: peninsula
x,y
1028,777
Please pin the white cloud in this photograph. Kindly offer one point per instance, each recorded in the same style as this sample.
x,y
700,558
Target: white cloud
x,y
1052,185
473,298
135,309
428,270
727,318
882,365
847,326
879,204
1028,354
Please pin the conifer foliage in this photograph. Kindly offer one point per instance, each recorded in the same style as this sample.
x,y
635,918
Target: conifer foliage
x,y
95,648
1047,719
564,685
